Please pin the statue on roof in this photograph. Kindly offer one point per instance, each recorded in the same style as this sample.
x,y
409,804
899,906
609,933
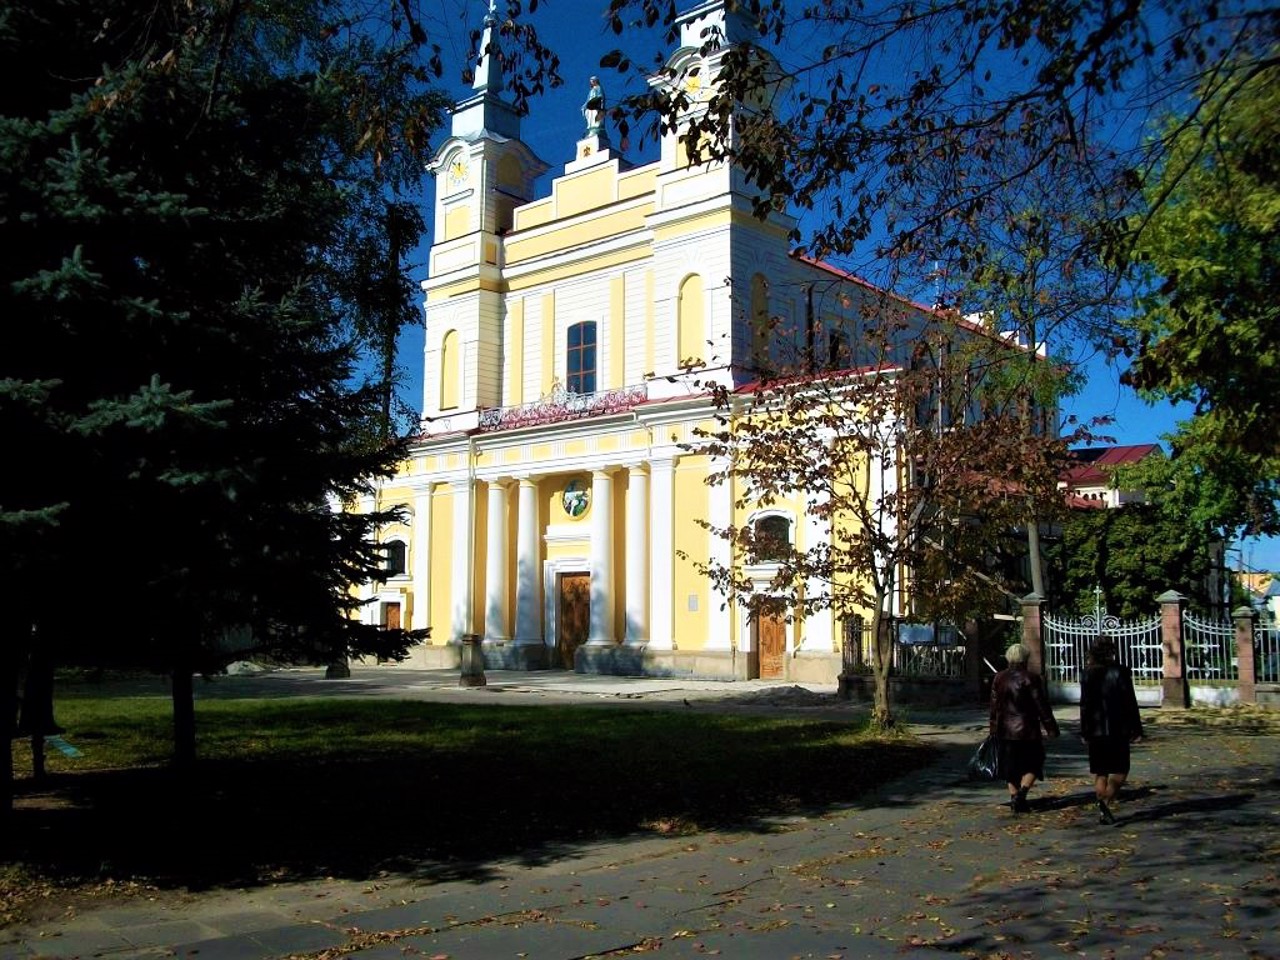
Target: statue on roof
x,y
593,108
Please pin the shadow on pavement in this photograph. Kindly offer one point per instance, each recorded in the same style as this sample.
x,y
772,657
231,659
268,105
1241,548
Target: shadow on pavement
x,y
1198,805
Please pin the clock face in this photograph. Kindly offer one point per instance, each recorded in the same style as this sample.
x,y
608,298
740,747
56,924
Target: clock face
x,y
458,171
576,498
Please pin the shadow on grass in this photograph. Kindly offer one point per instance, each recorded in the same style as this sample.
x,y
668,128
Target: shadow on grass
x,y
293,790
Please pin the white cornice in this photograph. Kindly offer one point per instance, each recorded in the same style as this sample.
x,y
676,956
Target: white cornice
x,y
637,239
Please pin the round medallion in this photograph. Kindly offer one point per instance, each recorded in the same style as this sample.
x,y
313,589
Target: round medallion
x,y
458,172
576,498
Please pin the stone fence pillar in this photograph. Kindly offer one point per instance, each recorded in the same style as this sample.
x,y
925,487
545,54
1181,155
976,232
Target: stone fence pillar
x,y
972,638
1176,692
1032,634
1245,618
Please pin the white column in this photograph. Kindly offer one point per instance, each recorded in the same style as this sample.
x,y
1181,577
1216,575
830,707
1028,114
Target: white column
x,y
601,558
818,632
720,510
661,553
496,626
637,575
528,620
367,590
422,558
882,490
460,608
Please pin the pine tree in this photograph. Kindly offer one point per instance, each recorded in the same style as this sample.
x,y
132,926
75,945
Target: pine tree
x,y
182,384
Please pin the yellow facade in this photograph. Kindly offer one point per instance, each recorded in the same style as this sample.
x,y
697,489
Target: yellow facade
x,y
557,498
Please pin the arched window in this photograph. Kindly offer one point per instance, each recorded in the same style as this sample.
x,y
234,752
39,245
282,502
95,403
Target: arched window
x,y
759,320
772,537
691,321
450,371
839,352
580,358
396,555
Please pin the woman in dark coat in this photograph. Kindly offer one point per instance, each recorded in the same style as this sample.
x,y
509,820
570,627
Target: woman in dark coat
x,y
1109,722
1019,710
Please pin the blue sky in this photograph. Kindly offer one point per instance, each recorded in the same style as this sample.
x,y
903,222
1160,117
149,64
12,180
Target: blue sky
x,y
555,122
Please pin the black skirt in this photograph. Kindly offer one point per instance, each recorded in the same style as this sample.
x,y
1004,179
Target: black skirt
x,y
1108,755
1020,757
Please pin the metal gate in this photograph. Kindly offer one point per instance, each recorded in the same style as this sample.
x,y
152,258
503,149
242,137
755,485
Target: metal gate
x,y
1210,648
1067,642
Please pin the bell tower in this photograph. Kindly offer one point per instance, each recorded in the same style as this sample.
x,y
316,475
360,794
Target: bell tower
x,y
483,172
710,250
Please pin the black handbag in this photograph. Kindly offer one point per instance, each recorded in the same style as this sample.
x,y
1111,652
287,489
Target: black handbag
x,y
985,762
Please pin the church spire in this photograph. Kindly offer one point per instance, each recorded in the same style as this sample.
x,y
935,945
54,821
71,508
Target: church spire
x,y
489,68
487,111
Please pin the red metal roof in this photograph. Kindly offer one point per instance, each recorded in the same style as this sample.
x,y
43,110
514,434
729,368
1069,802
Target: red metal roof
x,y
1093,465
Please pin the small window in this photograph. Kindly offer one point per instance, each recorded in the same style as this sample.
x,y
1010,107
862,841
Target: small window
x,y
839,353
772,537
394,550
580,358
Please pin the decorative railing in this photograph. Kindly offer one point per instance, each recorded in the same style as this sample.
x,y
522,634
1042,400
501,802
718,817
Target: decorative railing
x,y
919,650
561,405
928,660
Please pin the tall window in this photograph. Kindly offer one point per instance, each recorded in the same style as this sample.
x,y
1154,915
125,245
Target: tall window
x,y
773,537
580,358
760,325
691,321
395,554
450,370
839,353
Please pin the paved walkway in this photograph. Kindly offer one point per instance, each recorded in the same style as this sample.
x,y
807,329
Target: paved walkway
x,y
930,865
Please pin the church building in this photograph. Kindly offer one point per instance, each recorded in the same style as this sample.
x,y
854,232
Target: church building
x,y
554,496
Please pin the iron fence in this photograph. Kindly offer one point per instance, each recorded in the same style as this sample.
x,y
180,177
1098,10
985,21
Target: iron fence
x,y
1266,653
942,656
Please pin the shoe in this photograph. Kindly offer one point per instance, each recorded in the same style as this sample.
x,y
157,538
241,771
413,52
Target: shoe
x,y
1104,813
1020,804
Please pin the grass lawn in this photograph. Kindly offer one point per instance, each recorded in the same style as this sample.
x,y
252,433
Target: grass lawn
x,y
299,788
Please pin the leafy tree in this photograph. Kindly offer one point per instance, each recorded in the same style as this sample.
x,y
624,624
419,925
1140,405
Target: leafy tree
x,y
920,469
1207,484
1198,500
191,196
1039,288
1133,554
1209,325
898,123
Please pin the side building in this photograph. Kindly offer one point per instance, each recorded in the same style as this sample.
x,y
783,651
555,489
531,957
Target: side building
x,y
573,341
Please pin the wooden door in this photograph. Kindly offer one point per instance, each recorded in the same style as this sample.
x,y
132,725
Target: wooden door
x,y
573,622
771,638
391,612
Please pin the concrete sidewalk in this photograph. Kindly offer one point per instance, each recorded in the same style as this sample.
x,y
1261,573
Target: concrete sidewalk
x,y
931,863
